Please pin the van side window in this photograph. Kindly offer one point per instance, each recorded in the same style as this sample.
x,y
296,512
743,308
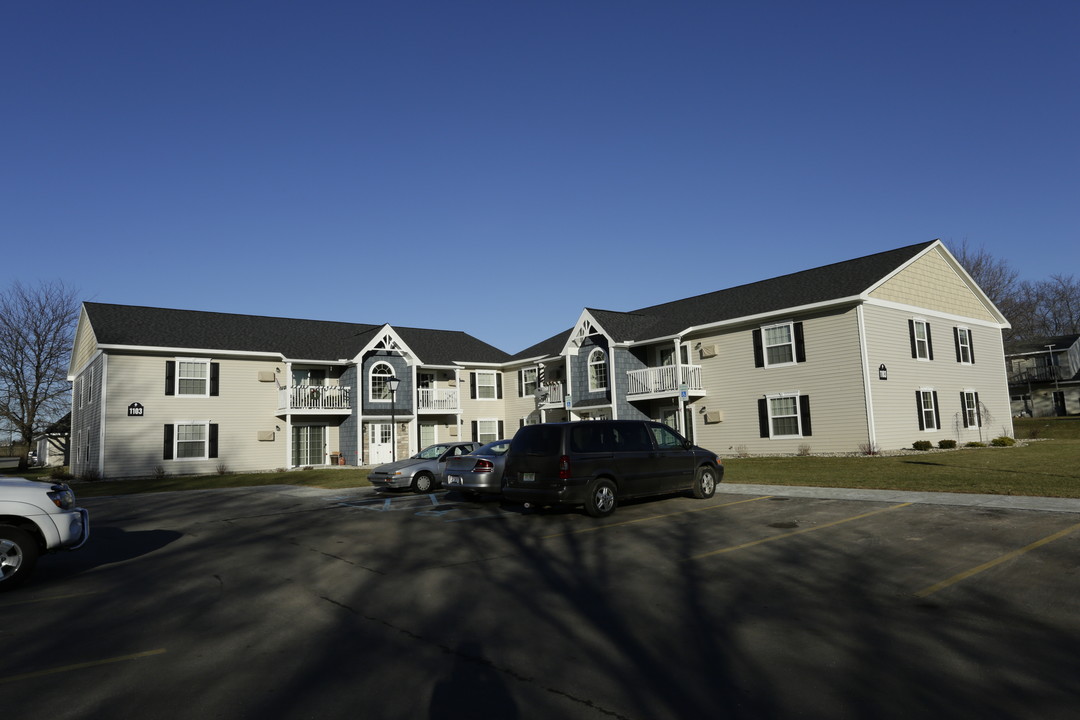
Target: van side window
x,y
632,437
666,439
592,438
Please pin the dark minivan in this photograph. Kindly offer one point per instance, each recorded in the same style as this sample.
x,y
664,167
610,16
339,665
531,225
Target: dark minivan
x,y
596,462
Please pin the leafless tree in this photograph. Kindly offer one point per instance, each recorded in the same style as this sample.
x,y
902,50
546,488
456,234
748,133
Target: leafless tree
x,y
993,275
1058,308
1043,308
37,326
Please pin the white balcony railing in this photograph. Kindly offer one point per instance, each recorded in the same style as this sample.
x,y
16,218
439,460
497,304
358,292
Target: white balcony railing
x,y
315,397
665,379
437,399
550,393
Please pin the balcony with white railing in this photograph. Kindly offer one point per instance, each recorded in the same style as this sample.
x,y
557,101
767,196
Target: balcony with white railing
x,y
664,380
550,394
437,400
315,399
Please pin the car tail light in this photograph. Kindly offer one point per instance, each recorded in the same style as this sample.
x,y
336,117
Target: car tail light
x,y
564,467
483,466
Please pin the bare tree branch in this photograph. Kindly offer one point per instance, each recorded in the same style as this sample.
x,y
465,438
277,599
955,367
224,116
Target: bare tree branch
x,y
37,326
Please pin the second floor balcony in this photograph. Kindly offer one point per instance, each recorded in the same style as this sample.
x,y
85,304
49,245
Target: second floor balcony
x,y
313,399
1039,374
664,381
438,400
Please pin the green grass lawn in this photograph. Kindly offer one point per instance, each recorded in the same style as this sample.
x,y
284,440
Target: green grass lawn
x,y
1048,467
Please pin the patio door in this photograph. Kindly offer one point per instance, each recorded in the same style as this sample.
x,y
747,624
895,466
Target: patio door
x,y
380,443
308,445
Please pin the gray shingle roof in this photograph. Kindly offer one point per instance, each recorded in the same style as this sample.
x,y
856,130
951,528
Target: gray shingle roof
x,y
808,287
324,340
295,339
1038,345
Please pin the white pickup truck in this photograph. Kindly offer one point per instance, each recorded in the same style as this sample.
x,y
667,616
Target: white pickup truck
x,y
36,517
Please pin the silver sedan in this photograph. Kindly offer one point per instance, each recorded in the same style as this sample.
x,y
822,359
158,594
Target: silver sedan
x,y
480,472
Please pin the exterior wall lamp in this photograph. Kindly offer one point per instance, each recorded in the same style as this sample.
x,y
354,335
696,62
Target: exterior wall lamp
x,y
882,372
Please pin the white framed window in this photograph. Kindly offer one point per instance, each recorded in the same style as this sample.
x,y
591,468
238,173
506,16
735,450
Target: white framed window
x,y
377,381
191,441
598,375
922,347
929,417
487,430
528,382
779,341
965,352
193,377
784,416
486,386
86,387
969,403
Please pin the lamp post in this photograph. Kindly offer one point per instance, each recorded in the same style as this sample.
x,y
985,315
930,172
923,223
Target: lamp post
x,y
392,383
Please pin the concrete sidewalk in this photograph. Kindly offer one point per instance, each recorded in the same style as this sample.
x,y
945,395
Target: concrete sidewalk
x,y
1011,502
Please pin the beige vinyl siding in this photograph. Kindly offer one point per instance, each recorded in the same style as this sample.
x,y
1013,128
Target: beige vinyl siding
x,y
244,407
517,408
832,377
485,409
85,344
895,410
931,282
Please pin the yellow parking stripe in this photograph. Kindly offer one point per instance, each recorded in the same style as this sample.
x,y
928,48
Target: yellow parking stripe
x,y
783,536
653,517
79,666
997,561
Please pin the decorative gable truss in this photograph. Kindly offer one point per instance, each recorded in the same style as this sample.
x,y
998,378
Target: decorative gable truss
x,y
586,327
386,341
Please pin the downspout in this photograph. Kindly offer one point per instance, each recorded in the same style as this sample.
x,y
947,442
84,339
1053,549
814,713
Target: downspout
x,y
871,426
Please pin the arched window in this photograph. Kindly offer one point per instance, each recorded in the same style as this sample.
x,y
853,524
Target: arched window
x,y
380,390
597,370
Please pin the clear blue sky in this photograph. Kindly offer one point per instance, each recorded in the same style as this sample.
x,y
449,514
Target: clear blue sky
x,y
496,166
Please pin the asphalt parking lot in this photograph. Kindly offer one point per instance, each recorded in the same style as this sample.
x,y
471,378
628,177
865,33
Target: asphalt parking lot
x,y
291,603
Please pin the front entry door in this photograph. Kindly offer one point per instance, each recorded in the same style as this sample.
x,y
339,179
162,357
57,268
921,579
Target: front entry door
x,y
380,443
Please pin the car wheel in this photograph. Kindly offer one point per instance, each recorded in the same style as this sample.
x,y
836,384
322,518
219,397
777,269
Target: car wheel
x,y
423,482
600,501
704,483
18,555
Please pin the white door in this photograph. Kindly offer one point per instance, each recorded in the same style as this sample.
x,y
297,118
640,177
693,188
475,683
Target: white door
x,y
308,445
427,435
380,443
